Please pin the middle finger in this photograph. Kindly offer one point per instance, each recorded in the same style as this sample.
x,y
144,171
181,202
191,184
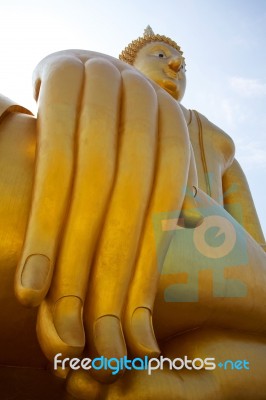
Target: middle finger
x,y
117,250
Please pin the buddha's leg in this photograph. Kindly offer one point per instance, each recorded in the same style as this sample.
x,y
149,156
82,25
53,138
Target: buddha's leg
x,y
201,285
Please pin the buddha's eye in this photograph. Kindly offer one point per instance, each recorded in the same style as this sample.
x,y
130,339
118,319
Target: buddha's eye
x,y
160,54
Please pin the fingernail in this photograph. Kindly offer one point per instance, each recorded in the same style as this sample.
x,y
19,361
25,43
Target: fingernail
x,y
67,317
35,272
190,218
142,331
108,337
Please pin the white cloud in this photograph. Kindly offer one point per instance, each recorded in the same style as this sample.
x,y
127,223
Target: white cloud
x,y
248,87
251,154
231,112
226,112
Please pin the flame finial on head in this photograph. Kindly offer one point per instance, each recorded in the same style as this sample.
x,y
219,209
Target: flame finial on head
x,y
129,54
148,31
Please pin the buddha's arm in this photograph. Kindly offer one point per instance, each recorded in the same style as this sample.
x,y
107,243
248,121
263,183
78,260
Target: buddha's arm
x,y
239,203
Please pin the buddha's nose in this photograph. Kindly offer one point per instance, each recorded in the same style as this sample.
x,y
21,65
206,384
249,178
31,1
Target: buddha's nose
x,y
175,64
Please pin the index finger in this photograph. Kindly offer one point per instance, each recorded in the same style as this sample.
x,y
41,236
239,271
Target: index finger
x,y
60,92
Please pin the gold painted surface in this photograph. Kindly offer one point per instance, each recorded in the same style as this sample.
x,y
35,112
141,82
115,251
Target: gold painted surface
x,y
83,186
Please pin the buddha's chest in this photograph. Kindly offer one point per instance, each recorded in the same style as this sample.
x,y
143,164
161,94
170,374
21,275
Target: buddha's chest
x,y
210,159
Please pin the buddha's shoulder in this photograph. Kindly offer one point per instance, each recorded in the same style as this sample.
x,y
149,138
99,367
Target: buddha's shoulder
x,y
219,139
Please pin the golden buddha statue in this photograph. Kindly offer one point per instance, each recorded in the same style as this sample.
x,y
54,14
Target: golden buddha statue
x,y
108,199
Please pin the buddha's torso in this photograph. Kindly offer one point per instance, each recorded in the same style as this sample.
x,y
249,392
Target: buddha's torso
x,y
214,152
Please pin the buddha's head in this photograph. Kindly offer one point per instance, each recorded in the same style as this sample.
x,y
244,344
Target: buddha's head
x,y
160,59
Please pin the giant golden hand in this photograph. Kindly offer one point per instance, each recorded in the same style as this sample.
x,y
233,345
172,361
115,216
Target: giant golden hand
x,y
112,151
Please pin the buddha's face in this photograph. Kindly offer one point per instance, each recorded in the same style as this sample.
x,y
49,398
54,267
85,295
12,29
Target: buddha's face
x,y
164,65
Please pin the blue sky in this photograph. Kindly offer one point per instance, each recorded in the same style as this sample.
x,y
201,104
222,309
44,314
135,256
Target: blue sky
x,y
223,42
